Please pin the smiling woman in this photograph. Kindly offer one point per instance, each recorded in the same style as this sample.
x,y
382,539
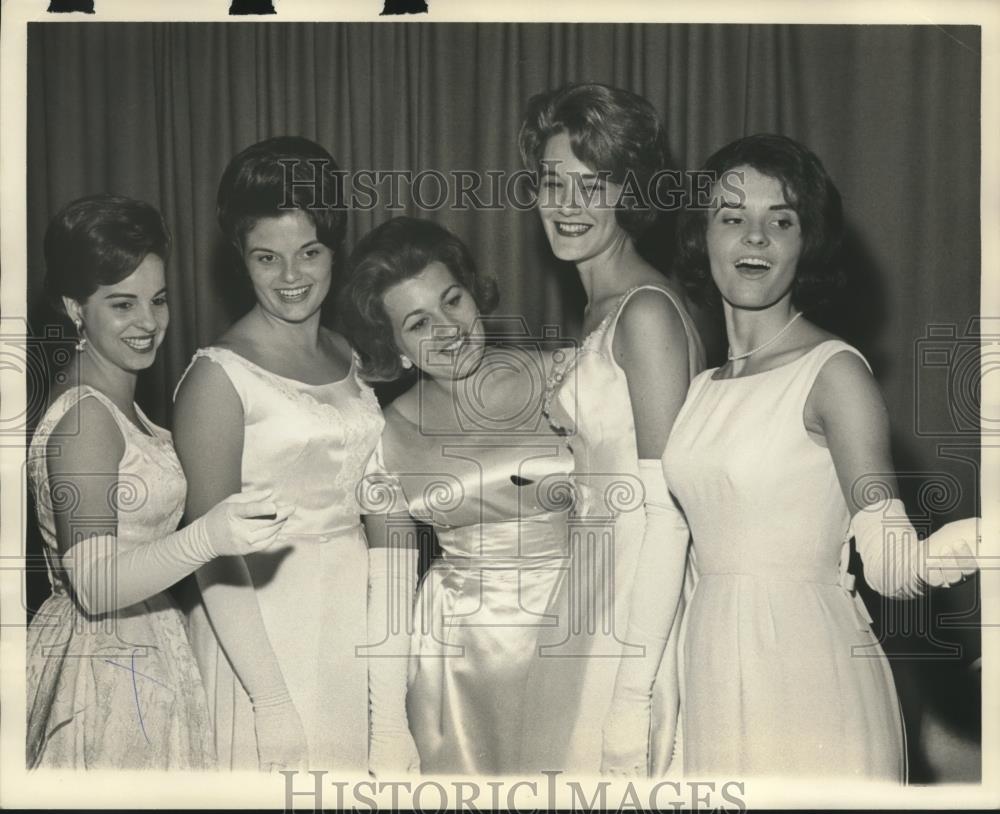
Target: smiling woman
x,y
289,267
754,241
773,631
109,492
276,404
576,229
132,313
615,401
466,451
434,320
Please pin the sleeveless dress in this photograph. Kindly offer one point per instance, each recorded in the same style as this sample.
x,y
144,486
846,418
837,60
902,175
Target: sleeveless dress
x,y
499,510
781,672
309,444
572,685
119,690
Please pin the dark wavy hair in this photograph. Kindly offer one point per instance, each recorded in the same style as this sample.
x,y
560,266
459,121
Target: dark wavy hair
x,y
99,240
390,254
812,195
276,175
611,130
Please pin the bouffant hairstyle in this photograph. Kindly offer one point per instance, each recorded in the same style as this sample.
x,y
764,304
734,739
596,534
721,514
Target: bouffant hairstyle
x,y
390,254
610,130
99,240
810,192
275,176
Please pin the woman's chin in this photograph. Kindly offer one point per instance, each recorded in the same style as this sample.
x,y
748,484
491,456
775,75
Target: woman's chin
x,y
568,254
459,366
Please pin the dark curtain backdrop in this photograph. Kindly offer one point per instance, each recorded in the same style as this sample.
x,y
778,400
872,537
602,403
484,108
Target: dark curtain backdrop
x,y
155,111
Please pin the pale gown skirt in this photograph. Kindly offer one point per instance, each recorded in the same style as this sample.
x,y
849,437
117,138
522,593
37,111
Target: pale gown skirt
x,y
314,605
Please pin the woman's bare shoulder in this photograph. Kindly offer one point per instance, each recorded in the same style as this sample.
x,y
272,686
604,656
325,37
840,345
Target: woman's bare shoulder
x,y
86,439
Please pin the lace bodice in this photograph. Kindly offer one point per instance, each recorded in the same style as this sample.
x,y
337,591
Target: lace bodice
x,y
149,497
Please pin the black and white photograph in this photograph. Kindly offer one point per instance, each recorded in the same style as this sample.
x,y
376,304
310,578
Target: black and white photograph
x,y
426,405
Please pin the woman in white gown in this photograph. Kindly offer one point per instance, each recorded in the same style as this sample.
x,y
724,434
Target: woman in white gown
x,y
276,402
466,451
781,673
112,682
615,400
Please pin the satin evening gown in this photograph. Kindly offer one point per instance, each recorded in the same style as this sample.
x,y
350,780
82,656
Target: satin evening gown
x,y
499,511
119,690
781,672
309,444
570,689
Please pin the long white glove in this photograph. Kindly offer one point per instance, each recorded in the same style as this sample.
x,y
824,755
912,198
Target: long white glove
x,y
230,601
392,576
901,566
281,738
655,597
106,578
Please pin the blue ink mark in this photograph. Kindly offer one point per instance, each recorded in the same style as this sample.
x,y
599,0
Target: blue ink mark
x,y
133,670
135,689
138,709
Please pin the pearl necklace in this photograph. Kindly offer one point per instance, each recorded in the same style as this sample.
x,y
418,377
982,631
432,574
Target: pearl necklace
x,y
771,341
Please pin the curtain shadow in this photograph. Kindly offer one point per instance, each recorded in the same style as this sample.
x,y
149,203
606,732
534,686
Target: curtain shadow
x,y
857,314
230,278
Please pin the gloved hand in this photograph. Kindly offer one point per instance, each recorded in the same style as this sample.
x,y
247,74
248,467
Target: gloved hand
x,y
900,565
281,738
106,577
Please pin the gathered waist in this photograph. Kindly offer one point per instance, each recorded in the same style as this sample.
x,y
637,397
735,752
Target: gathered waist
x,y
840,579
533,542
775,576
351,531
547,562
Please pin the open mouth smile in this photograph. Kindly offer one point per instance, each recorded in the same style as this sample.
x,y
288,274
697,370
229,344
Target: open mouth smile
x,y
455,345
293,294
142,344
572,229
753,266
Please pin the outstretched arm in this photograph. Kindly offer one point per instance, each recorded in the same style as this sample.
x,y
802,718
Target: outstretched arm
x,y
846,406
208,434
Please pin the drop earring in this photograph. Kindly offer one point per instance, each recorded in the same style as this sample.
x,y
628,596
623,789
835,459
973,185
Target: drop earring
x,y
81,341
406,362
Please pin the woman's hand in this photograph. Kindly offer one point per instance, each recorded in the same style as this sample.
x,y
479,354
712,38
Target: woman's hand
x,y
281,738
625,742
393,753
951,552
245,523
847,407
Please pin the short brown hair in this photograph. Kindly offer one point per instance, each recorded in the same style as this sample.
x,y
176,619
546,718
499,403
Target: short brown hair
x,y
611,130
99,240
390,254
